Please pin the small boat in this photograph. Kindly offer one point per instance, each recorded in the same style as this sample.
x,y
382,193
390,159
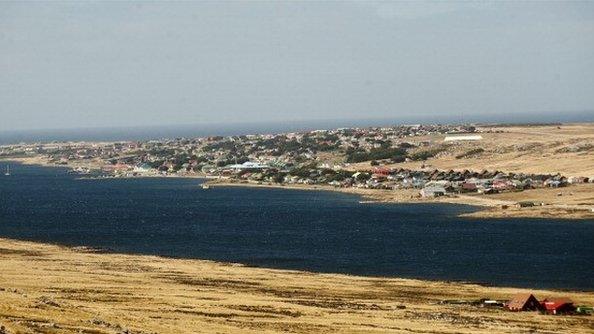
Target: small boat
x,y
7,170
205,186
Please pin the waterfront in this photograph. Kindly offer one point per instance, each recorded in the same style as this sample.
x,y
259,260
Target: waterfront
x,y
291,229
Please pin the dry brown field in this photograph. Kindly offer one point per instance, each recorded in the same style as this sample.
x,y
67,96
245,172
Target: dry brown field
x,y
53,289
567,149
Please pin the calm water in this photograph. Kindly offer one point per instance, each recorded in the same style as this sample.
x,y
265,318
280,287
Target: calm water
x,y
317,231
228,129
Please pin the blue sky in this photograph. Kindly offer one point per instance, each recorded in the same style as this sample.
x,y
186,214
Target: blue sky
x,y
101,64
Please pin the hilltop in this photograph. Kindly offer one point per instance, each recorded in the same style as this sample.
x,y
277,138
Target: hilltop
x,y
567,149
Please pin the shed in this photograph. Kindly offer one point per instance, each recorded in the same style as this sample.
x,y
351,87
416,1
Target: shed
x,y
558,305
524,302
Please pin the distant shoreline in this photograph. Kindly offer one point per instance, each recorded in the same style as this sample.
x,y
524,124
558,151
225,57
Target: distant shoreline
x,y
135,133
489,207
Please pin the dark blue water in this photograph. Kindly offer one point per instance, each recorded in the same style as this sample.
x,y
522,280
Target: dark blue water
x,y
316,231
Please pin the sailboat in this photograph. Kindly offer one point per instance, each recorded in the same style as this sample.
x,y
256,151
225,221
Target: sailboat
x,y
7,170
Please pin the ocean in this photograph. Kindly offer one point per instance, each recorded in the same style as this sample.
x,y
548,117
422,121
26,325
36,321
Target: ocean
x,y
316,231
231,129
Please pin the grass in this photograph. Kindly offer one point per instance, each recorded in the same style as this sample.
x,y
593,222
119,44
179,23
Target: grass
x,y
52,289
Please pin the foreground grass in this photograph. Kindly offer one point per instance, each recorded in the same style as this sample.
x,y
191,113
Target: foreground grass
x,y
52,289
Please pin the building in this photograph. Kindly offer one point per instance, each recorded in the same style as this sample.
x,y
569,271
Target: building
x,y
503,184
463,138
469,187
142,168
524,302
247,165
558,305
433,191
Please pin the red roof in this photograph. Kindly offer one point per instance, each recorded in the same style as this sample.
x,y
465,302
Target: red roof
x,y
523,302
556,303
382,170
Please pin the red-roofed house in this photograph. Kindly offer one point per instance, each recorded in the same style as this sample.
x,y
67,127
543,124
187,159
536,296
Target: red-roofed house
x,y
382,171
524,302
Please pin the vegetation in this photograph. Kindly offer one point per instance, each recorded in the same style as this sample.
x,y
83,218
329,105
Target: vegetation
x,y
426,154
362,177
339,175
304,171
470,153
376,154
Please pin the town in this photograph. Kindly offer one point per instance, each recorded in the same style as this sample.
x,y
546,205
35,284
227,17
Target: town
x,y
339,158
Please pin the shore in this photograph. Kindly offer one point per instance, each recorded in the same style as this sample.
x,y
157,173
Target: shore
x,y
489,206
577,204
86,292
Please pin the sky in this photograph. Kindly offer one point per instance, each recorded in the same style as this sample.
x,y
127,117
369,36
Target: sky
x,y
103,64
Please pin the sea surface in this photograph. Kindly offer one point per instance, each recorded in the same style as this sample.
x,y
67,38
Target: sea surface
x,y
126,133
306,230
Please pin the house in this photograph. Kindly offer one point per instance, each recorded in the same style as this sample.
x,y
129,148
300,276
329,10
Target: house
x,y
577,179
434,190
524,302
469,187
381,171
502,184
142,168
558,305
519,184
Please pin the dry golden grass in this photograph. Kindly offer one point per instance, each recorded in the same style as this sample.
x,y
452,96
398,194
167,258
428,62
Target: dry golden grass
x,y
567,149
578,194
572,202
52,289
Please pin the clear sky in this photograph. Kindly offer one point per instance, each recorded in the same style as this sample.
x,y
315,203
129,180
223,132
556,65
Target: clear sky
x,y
101,64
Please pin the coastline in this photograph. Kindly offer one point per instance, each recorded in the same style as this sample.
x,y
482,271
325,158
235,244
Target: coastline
x,y
101,293
489,207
